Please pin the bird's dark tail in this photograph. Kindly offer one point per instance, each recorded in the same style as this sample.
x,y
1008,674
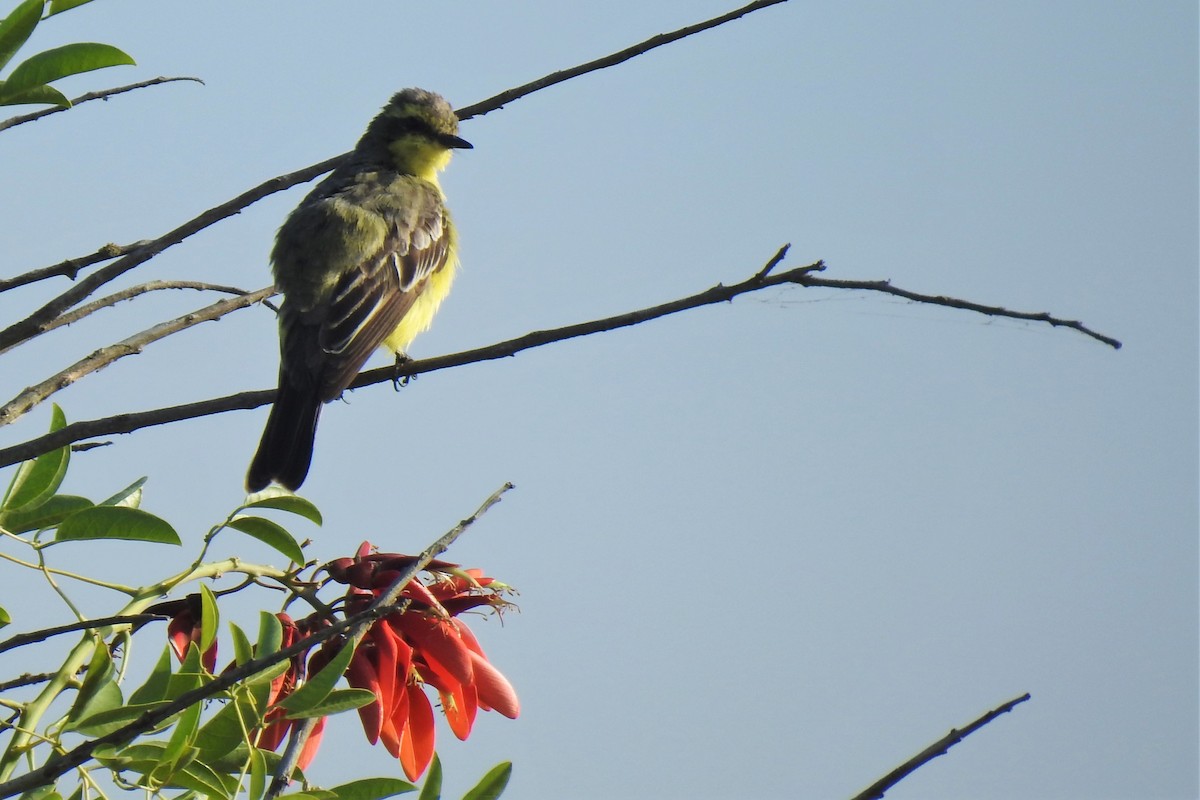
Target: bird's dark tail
x,y
286,448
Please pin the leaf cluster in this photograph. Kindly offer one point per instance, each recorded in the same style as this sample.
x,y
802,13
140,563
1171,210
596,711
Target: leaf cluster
x,y
155,738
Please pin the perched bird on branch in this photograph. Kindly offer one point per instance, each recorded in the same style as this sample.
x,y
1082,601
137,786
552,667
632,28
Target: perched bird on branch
x,y
364,261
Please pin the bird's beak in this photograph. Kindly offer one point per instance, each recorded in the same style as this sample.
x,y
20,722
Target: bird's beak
x,y
452,141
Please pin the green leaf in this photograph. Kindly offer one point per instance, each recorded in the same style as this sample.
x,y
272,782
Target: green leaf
x,y
5,619
59,62
96,686
105,722
210,618
181,740
282,499
42,793
116,522
130,496
243,651
35,95
155,687
59,6
372,789
227,729
336,702
199,777
191,674
318,687
270,634
105,698
432,790
16,27
492,784
38,479
269,533
258,775
141,757
46,515
270,673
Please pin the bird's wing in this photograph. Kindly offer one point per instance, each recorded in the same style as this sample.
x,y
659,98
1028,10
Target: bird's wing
x,y
370,299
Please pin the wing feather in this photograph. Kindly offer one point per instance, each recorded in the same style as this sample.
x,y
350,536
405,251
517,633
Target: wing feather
x,y
370,300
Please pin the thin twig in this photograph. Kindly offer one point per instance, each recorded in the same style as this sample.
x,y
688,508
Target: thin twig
x,y
802,276
31,396
131,292
57,766
22,639
876,790
103,94
966,305
498,101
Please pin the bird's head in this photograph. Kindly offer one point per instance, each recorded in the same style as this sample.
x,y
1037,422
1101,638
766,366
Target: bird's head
x,y
418,130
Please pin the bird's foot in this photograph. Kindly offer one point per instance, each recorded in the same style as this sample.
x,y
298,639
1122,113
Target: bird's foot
x,y
400,381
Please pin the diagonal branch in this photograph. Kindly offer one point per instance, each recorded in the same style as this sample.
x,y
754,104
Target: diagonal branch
x,y
103,94
876,790
801,276
36,323
498,101
70,267
131,346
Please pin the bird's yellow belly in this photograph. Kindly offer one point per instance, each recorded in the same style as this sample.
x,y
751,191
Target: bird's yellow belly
x,y
420,316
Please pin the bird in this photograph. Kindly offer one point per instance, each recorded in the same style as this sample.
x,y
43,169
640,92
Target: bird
x,y
363,261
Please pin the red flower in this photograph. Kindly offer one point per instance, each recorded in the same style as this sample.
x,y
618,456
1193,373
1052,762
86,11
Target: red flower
x,y
184,629
425,644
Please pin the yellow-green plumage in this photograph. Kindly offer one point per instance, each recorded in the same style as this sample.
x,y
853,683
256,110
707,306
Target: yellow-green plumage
x,y
364,261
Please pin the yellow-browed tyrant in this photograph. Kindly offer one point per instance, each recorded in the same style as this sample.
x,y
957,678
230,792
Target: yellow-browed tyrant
x,y
365,260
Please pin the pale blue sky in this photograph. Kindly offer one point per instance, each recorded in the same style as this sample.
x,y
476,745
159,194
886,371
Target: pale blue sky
x,y
766,549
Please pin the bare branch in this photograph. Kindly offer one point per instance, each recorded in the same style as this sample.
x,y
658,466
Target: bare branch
x,y
802,276
876,790
350,626
103,94
498,101
69,268
72,317
966,305
773,263
22,639
31,396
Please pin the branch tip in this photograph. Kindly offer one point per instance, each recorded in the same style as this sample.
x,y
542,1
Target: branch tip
x,y
773,263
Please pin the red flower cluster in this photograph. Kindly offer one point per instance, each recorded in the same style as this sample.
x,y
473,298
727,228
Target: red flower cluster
x,y
423,644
